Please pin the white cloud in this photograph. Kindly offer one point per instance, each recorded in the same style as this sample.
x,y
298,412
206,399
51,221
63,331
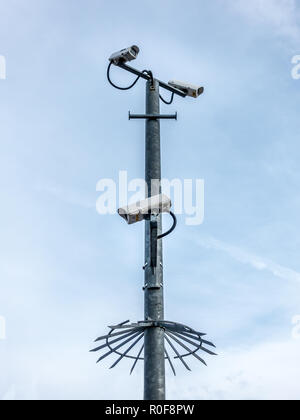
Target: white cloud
x,y
267,371
281,15
256,262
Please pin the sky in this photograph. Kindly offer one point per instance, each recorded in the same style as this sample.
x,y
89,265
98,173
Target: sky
x,y
66,272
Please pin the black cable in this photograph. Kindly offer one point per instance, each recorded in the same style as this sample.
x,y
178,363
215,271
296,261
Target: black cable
x,y
172,228
119,87
149,72
166,102
135,82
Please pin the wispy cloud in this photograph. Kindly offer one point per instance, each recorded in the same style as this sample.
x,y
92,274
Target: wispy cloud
x,y
281,15
255,261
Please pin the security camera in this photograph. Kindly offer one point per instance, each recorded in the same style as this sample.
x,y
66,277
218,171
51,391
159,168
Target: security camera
x,y
143,209
125,55
190,90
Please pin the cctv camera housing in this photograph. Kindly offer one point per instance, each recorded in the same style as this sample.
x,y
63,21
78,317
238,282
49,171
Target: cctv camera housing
x,y
141,210
190,90
125,55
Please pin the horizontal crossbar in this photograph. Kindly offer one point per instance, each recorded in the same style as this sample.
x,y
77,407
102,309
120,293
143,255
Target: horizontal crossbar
x,y
147,77
152,117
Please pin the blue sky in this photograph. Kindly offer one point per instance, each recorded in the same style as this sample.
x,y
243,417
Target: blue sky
x,y
66,272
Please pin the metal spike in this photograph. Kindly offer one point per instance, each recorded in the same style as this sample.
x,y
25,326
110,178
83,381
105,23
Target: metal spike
x,y
188,330
180,328
194,337
208,351
137,359
180,335
186,348
208,343
119,327
104,337
195,344
105,355
123,323
176,352
118,347
127,351
114,341
171,364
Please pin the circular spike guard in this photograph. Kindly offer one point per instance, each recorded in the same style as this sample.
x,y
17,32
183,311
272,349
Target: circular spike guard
x,y
176,336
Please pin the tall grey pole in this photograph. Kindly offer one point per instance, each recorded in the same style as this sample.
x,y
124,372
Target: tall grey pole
x,y
154,330
154,352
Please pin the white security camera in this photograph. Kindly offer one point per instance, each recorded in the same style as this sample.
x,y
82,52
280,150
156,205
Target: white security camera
x,y
142,209
190,90
125,55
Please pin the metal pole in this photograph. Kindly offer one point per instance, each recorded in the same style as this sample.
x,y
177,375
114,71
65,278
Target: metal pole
x,y
155,330
154,353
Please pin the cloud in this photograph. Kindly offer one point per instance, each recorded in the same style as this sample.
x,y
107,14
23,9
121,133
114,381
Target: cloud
x,y
266,371
280,15
256,262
